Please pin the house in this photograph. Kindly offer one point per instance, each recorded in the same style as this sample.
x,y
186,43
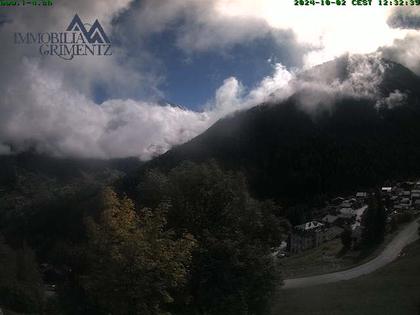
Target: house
x,y
347,211
309,226
386,190
415,195
405,193
360,213
361,195
403,205
355,203
346,216
407,185
329,219
406,202
345,219
301,242
305,236
346,204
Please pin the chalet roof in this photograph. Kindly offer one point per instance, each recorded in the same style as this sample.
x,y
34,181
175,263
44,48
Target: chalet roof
x,y
346,204
309,225
347,211
329,218
359,212
346,215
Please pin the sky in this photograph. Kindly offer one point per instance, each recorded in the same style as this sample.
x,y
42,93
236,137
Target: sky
x,y
177,67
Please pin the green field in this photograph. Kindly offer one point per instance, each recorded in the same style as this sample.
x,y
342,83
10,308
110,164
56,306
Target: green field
x,y
322,259
394,289
327,258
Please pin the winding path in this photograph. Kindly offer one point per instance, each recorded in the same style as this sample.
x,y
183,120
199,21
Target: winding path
x,y
408,235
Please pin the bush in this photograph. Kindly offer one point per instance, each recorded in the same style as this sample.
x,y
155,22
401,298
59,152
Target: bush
x,y
21,298
232,270
21,287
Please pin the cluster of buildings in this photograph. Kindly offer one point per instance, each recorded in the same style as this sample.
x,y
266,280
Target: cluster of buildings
x,y
402,198
340,214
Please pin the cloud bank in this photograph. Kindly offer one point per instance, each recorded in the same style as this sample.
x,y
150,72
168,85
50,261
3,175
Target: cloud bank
x,y
57,119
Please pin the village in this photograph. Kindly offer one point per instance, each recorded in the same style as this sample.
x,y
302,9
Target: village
x,y
401,202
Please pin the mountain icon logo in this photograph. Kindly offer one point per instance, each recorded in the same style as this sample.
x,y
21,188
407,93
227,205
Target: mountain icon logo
x,y
95,35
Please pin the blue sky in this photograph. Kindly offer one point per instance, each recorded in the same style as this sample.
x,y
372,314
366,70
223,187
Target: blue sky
x,y
190,80
188,74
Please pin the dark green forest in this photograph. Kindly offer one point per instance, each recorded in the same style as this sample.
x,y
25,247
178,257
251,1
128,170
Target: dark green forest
x,y
190,241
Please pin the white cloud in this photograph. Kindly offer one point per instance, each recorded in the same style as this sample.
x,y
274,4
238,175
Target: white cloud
x,y
405,51
321,33
50,104
394,99
232,96
332,30
329,31
59,120
117,74
273,87
405,18
4,149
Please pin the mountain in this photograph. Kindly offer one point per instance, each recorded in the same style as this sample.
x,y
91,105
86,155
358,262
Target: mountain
x,y
60,169
352,123
53,194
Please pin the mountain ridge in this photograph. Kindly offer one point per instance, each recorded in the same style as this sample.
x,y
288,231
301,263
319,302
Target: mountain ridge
x,y
291,152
